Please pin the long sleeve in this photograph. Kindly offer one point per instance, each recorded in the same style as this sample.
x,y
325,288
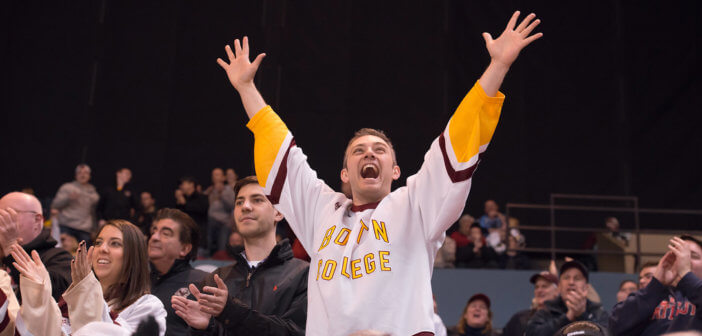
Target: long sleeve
x,y
39,313
441,186
85,302
691,287
62,199
8,305
628,316
288,180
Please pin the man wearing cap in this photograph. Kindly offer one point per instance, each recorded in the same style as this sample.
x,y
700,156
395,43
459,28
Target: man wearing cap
x,y
545,289
571,305
672,299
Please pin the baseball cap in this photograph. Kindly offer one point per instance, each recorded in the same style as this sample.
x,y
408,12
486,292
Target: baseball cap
x,y
480,296
544,275
582,328
575,264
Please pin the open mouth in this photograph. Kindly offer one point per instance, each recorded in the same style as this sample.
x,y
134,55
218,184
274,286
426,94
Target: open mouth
x,y
103,261
369,170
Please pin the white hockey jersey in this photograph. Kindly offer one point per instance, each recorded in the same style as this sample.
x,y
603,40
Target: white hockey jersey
x,y
371,265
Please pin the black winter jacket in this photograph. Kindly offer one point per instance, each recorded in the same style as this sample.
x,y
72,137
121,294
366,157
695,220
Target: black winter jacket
x,y
270,299
175,282
56,260
547,321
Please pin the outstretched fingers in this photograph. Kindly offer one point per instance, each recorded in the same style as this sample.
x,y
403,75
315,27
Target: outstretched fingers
x,y
512,21
526,31
237,48
523,25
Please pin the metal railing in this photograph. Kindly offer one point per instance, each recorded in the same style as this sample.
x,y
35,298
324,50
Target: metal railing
x,y
633,209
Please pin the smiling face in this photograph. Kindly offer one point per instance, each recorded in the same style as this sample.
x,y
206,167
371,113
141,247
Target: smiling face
x,y
254,214
476,314
108,256
645,276
369,169
544,290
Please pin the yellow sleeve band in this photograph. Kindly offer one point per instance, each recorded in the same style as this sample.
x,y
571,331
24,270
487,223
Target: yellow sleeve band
x,y
474,122
269,133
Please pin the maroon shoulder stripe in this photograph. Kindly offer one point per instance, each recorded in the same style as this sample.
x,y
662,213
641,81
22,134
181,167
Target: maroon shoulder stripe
x,y
424,333
5,321
113,316
63,307
460,175
277,188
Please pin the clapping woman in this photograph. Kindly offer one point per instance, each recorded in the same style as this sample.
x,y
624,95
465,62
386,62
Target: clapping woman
x,y
110,284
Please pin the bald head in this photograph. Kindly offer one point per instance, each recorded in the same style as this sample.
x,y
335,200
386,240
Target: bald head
x,y
29,214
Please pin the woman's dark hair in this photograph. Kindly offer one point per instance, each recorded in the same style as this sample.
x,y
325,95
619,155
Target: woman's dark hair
x,y
133,281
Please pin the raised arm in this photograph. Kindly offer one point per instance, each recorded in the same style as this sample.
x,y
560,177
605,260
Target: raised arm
x,y
241,74
505,49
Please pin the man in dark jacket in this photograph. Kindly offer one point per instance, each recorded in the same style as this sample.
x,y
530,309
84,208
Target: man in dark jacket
x,y
117,201
265,291
545,289
21,221
571,305
672,299
172,245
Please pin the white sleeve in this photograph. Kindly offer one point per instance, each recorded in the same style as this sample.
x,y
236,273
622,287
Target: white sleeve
x,y
440,189
8,305
288,180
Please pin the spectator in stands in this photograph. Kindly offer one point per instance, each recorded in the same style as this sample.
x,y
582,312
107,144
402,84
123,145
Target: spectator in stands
x,y
545,289
265,291
612,224
117,201
513,259
492,220
446,256
75,202
171,247
221,200
671,301
235,244
476,318
646,273
110,283
21,222
625,288
462,235
195,204
476,254
232,177
146,213
69,243
571,304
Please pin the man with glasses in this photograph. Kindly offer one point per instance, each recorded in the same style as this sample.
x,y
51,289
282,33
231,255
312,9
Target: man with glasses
x,y
21,221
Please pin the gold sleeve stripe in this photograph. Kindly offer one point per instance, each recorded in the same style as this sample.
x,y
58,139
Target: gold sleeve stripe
x,y
474,122
269,133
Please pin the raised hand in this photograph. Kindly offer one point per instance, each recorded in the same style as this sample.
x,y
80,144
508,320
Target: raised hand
x,y
31,268
9,230
683,258
240,70
665,273
190,312
576,302
505,49
81,265
213,303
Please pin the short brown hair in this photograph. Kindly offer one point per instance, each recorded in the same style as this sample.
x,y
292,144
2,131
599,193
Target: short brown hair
x,y
692,239
189,230
134,280
648,264
242,182
375,132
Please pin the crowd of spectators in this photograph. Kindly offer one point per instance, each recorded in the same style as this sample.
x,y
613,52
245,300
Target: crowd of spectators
x,y
121,258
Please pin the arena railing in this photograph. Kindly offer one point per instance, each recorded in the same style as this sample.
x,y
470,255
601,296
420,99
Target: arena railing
x,y
634,209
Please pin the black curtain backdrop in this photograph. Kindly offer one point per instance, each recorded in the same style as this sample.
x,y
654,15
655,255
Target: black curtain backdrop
x,y
608,102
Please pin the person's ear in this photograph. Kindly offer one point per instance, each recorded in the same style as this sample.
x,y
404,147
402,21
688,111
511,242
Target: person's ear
x,y
185,250
344,175
395,172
